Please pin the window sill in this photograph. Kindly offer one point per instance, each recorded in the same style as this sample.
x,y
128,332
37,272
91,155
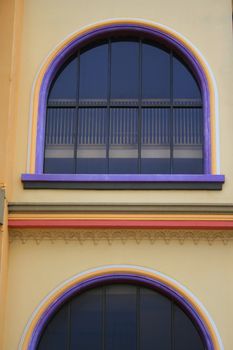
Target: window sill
x,y
120,182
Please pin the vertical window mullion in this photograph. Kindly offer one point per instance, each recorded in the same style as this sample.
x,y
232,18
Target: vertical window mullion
x,y
171,113
77,113
45,135
103,317
204,125
172,326
138,318
140,106
68,326
108,131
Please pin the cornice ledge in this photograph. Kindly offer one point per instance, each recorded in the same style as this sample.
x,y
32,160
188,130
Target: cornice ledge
x,y
30,207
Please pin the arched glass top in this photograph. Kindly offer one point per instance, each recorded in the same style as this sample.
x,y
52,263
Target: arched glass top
x,y
120,316
124,105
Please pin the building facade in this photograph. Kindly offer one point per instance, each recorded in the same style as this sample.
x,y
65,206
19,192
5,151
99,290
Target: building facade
x,y
116,172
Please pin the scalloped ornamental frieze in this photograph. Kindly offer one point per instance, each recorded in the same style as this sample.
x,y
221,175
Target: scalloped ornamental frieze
x,y
121,235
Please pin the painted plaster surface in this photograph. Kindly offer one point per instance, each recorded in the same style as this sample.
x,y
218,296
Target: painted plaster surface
x,y
205,24
36,269
202,268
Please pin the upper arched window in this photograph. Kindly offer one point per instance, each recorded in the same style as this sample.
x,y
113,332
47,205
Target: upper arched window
x,y
124,105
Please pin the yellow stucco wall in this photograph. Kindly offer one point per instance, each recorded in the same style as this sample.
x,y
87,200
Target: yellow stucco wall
x,y
6,40
36,269
207,24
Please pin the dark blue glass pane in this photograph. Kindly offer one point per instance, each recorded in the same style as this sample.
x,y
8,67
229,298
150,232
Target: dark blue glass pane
x,y
91,141
186,335
55,335
155,166
59,165
123,166
155,72
187,166
123,142
124,69
93,72
59,141
86,321
155,141
187,141
91,165
121,330
184,85
65,83
155,321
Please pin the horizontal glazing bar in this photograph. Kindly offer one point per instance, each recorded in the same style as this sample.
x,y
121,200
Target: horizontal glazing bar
x,y
125,103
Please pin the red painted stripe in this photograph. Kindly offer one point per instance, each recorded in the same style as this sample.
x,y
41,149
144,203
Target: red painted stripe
x,y
160,224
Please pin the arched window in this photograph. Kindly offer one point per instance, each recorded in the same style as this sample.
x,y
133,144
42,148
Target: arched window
x,y
124,105
121,316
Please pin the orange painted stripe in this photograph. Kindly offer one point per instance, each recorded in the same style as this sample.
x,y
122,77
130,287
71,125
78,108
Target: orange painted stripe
x,y
140,217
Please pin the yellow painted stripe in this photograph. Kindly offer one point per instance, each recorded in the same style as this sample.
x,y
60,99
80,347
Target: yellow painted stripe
x,y
145,217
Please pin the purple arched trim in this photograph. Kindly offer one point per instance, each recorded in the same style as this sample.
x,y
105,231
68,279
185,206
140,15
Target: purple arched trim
x,y
155,33
121,278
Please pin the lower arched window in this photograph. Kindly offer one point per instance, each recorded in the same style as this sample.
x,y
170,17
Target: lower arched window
x,y
121,317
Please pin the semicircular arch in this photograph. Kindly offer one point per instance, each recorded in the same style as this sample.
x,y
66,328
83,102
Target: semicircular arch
x,y
121,273
157,32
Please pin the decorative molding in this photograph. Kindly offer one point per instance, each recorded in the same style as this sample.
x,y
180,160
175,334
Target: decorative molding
x,y
121,235
125,207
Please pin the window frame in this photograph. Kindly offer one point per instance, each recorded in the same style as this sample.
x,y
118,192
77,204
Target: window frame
x,y
105,309
207,180
128,278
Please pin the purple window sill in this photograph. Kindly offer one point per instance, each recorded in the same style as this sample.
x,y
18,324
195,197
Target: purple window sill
x,y
122,178
122,182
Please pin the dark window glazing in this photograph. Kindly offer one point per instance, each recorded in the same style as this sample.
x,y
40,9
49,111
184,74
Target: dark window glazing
x,y
120,316
124,106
